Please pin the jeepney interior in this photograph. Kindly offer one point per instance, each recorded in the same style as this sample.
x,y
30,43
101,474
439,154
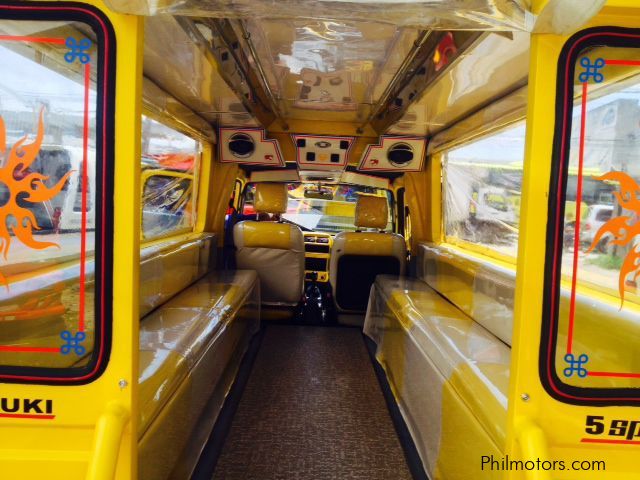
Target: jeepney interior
x,y
323,128
329,221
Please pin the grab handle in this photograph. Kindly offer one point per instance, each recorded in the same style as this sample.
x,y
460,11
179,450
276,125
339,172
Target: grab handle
x,y
533,445
106,442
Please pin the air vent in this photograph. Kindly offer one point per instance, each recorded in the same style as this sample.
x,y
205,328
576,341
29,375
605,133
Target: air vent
x,y
395,154
400,154
249,146
241,145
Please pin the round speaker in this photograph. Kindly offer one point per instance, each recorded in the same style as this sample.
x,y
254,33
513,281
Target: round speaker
x,y
241,145
400,154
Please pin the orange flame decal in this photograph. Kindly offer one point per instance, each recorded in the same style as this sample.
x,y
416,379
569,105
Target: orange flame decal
x,y
21,183
623,229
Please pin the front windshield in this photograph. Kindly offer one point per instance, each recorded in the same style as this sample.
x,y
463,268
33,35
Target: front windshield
x,y
326,208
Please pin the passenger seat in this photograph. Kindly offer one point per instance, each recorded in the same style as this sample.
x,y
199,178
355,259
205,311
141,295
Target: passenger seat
x,y
274,250
358,257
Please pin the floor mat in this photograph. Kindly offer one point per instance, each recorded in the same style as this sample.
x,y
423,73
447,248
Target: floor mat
x,y
312,409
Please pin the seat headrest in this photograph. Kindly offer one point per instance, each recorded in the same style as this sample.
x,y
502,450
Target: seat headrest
x,y
372,212
271,198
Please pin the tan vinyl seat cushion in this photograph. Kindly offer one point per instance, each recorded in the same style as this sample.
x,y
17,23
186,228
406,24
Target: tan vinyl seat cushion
x,y
427,346
276,252
174,337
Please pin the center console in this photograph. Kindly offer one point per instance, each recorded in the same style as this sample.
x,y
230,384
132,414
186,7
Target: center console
x,y
317,247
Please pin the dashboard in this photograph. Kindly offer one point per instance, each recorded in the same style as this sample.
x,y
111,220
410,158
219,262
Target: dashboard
x,y
317,252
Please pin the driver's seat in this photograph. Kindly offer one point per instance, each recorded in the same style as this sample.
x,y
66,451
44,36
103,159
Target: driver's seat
x,y
275,250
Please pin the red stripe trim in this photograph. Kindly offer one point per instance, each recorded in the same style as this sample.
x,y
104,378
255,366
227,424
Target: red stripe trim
x,y
610,442
614,375
18,38
9,348
631,63
85,180
576,239
25,415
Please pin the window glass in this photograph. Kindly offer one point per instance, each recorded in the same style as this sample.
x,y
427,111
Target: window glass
x,y
48,195
170,163
482,188
326,208
594,314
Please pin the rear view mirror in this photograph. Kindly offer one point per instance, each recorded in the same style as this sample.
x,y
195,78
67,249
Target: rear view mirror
x,y
320,193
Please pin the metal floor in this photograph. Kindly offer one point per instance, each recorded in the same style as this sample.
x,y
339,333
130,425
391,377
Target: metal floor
x,y
312,409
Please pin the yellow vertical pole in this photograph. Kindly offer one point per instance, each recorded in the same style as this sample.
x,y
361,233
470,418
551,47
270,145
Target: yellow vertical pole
x,y
127,217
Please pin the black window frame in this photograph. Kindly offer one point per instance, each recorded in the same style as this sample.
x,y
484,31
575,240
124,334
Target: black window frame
x,y
105,128
599,36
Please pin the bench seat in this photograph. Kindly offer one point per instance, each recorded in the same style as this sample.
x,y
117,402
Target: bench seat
x,y
442,366
190,349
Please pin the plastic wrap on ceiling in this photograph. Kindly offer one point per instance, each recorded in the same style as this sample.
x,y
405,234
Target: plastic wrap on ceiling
x,y
495,66
181,68
433,14
340,69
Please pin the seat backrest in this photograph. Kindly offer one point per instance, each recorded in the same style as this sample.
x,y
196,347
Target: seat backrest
x,y
274,250
484,290
358,257
170,267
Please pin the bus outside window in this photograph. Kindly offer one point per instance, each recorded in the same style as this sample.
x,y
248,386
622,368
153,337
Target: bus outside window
x,y
482,189
600,183
326,208
170,166
593,312
49,153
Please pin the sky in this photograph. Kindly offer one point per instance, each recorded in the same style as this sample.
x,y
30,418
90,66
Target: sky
x,y
24,84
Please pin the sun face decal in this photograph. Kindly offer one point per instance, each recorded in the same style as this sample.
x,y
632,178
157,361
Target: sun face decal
x,y
623,229
26,186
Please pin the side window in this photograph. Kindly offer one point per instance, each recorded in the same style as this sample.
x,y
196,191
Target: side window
x,y
592,302
482,183
324,208
236,198
55,188
170,167
407,227
247,204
